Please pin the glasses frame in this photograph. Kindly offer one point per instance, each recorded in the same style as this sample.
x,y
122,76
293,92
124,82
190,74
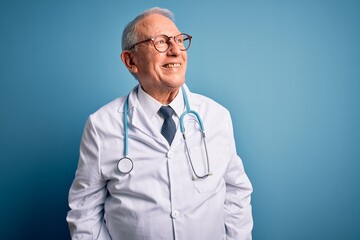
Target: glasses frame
x,y
168,40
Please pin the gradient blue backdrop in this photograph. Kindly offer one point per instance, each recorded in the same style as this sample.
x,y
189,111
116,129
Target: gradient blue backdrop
x,y
289,72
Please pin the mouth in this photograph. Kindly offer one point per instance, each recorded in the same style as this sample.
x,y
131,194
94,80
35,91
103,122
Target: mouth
x,y
171,65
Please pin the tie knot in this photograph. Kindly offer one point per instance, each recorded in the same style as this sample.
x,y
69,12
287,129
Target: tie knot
x,y
166,111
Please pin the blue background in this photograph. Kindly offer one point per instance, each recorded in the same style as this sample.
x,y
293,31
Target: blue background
x,y
289,72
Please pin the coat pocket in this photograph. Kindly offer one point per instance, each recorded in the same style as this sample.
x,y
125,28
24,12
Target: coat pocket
x,y
201,164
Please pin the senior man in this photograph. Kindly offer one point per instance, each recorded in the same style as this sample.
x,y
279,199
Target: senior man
x,y
160,163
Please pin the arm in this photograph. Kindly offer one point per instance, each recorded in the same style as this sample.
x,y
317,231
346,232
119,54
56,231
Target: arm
x,y
238,213
88,191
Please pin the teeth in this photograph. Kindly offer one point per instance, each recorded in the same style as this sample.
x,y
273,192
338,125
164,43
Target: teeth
x,y
172,65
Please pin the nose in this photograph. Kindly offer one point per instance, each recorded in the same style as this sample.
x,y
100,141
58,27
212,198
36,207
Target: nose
x,y
174,48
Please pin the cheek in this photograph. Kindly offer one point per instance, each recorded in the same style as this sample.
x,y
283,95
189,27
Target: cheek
x,y
184,55
185,60
146,67
145,63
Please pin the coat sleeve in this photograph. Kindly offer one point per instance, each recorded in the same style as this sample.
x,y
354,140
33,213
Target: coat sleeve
x,y
238,211
88,191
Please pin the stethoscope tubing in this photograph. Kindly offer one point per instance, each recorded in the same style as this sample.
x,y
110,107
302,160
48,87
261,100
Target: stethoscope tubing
x,y
125,121
125,164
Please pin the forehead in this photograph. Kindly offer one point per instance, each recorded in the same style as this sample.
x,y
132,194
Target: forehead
x,y
156,24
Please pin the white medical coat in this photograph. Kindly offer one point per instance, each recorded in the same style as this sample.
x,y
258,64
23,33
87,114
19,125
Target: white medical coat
x,y
159,199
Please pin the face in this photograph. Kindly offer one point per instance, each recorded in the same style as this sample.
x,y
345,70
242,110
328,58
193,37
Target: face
x,y
158,73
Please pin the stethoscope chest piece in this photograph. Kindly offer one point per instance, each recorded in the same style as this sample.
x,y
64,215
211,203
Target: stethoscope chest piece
x,y
125,165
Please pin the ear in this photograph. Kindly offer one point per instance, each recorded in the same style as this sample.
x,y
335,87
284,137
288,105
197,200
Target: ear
x,y
128,61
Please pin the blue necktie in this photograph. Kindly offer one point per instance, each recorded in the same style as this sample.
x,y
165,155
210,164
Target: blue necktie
x,y
168,128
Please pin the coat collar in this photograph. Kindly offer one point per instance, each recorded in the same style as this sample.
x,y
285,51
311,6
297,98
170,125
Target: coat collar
x,y
134,103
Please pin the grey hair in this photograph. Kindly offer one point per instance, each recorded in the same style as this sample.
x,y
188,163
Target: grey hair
x,y
129,36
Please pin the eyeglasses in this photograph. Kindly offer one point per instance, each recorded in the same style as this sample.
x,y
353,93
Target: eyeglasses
x,y
162,42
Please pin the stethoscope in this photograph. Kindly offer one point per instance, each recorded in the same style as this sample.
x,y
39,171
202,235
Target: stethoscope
x,y
125,165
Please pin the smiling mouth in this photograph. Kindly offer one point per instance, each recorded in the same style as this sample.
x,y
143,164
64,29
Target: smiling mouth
x,y
172,65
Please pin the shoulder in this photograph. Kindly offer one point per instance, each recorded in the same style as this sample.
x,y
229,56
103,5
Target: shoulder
x,y
202,101
109,111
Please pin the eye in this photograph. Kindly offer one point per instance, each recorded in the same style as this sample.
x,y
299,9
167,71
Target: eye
x,y
179,39
160,40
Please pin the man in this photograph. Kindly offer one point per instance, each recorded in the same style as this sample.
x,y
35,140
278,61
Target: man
x,y
138,177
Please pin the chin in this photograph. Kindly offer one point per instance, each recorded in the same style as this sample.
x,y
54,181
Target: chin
x,y
174,80
178,83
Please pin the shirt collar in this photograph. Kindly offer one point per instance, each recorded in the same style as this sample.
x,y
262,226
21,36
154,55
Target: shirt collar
x,y
151,106
178,103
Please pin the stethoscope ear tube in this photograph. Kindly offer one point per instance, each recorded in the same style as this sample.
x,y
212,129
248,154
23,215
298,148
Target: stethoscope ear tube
x,y
182,127
188,111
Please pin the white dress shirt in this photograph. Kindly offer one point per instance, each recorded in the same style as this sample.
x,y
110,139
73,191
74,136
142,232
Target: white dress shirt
x,y
151,107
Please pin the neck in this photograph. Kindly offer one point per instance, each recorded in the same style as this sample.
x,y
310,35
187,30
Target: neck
x,y
164,97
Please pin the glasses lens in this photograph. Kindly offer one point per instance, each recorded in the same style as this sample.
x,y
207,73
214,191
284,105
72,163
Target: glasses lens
x,y
161,43
183,40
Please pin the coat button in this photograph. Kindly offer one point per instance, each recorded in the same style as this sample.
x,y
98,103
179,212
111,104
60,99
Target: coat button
x,y
175,214
170,154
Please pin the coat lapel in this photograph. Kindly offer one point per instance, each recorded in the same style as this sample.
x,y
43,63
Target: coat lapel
x,y
137,118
